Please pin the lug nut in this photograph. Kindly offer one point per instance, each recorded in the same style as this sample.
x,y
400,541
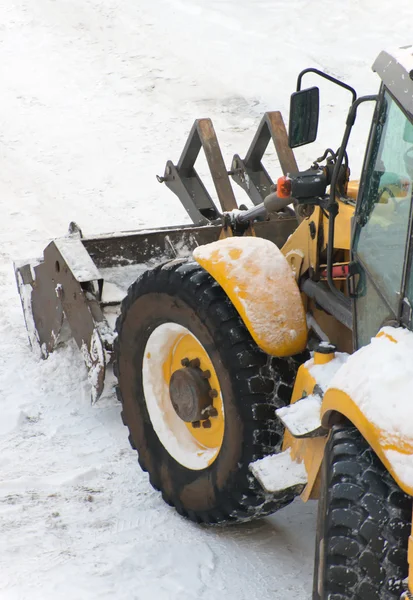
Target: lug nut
x,y
206,424
185,362
212,412
206,374
196,424
195,363
209,411
213,394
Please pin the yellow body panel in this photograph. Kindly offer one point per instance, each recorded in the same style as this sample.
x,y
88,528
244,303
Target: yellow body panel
x,y
309,450
305,241
342,227
301,242
373,391
337,401
259,282
353,189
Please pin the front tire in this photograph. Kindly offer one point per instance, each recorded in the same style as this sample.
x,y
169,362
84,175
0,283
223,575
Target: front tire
x,y
364,522
252,386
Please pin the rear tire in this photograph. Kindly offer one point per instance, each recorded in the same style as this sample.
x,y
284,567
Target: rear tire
x,y
253,386
364,522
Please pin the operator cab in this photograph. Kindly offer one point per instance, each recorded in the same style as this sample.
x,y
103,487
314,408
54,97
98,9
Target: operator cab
x,y
381,286
383,223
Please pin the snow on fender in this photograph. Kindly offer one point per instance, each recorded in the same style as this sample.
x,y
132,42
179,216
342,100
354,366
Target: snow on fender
x,y
373,389
260,283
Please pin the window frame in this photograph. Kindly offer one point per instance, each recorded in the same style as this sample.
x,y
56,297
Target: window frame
x,y
401,315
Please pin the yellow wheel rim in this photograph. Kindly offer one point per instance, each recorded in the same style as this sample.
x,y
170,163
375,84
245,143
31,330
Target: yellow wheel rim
x,y
195,447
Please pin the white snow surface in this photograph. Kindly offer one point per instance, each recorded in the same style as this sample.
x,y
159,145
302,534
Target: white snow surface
x,y
404,57
323,374
385,395
302,416
77,259
96,96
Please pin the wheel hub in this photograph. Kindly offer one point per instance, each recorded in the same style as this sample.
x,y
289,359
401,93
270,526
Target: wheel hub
x,y
190,392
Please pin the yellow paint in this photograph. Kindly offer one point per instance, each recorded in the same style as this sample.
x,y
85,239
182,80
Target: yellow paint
x,y
322,359
338,401
353,189
301,242
225,233
186,346
275,320
387,335
295,260
342,227
309,450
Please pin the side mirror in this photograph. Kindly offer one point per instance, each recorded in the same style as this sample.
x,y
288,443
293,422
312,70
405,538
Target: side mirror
x,y
304,111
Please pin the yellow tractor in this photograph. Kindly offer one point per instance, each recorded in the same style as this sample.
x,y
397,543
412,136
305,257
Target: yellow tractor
x,y
266,353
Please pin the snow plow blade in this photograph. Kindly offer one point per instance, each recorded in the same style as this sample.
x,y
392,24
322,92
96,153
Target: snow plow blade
x,y
77,287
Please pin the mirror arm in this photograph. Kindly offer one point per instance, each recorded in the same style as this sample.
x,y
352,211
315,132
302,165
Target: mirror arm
x,y
330,78
332,205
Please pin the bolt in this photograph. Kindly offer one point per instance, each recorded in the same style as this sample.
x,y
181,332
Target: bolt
x,y
209,411
213,394
206,424
206,374
196,424
212,411
195,363
185,362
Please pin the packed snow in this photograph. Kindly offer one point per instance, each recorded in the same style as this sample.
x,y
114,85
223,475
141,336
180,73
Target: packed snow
x,y
279,472
303,416
324,373
385,397
96,96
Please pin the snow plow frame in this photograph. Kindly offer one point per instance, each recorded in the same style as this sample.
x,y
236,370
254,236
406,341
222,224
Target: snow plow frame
x,y
67,285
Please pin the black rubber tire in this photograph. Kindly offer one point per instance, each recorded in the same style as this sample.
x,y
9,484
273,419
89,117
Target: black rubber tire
x,y
253,385
364,522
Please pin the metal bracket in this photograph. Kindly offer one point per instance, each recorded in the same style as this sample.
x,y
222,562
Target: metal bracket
x,y
185,182
250,173
66,283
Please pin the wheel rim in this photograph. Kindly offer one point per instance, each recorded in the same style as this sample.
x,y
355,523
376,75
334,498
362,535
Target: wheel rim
x,y
169,347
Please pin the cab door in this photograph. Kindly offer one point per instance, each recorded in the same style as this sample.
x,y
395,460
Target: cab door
x,y
382,229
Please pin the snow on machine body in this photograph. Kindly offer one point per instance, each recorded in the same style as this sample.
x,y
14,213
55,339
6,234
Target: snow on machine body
x,y
265,353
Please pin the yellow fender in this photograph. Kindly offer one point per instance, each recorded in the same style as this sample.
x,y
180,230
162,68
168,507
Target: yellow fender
x,y
260,283
373,389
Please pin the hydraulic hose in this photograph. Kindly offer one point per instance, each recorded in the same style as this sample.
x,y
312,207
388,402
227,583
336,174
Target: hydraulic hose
x,y
332,205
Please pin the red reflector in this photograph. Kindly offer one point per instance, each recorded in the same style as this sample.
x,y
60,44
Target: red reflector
x,y
337,271
284,187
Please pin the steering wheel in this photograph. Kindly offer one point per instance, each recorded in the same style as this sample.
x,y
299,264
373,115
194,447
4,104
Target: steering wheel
x,y
385,190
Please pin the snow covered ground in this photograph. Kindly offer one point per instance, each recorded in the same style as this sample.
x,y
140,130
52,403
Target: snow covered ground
x,y
95,96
